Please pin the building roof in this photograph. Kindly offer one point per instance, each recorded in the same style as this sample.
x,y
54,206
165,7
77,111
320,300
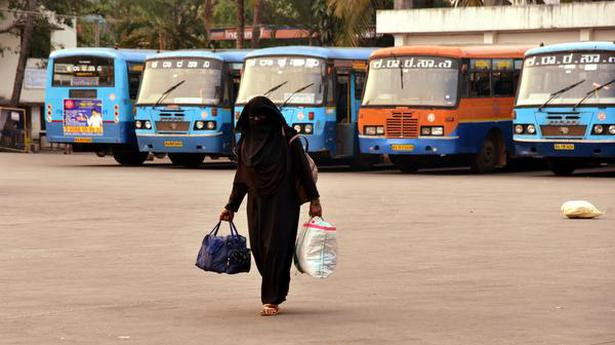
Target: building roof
x,y
318,52
486,51
125,54
563,47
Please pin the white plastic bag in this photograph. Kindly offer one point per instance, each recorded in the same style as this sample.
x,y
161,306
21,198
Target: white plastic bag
x,y
316,248
580,209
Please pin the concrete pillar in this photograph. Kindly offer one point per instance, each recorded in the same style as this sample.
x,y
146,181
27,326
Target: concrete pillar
x,y
35,122
490,37
586,34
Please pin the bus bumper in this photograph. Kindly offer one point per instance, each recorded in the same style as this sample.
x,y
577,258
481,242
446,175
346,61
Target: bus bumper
x,y
565,149
122,132
216,143
418,146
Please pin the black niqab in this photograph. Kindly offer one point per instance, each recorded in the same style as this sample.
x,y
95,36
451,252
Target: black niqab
x,y
262,147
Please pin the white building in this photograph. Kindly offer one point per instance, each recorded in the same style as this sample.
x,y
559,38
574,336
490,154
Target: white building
x,y
33,88
524,24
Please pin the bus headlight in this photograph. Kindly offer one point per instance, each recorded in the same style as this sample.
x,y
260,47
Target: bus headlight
x,y
308,128
612,129
518,129
425,130
297,128
531,129
379,130
148,124
138,124
199,124
598,129
211,124
369,130
439,130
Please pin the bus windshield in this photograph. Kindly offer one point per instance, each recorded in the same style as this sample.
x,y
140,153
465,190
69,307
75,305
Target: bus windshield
x,y
544,75
90,71
412,80
280,77
202,82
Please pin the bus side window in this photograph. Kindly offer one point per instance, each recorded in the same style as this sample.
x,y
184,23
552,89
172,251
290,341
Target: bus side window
x,y
480,83
227,93
359,85
518,63
502,77
135,72
342,98
330,88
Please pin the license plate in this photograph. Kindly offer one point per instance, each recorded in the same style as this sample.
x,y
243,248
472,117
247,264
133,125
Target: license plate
x,y
83,140
177,143
564,146
402,147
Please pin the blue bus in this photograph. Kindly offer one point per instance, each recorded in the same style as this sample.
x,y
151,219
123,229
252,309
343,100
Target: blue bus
x,y
89,100
185,104
318,90
565,106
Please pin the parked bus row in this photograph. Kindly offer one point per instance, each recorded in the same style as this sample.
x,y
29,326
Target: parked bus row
x,y
419,106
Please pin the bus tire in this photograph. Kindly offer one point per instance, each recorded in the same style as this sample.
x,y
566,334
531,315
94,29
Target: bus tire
x,y
188,160
406,164
129,158
562,167
485,161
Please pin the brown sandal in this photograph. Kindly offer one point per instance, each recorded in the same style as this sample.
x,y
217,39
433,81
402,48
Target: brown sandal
x,y
270,310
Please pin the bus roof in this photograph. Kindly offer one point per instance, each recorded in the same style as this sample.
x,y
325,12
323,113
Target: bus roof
x,y
124,54
486,51
571,46
319,52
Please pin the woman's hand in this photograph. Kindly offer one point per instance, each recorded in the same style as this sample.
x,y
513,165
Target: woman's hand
x,y
315,208
227,215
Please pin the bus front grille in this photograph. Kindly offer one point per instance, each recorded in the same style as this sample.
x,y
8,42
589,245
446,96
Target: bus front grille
x,y
172,126
563,130
402,125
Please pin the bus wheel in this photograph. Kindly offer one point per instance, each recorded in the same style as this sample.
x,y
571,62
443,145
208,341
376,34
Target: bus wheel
x,y
488,158
130,158
562,167
187,160
406,164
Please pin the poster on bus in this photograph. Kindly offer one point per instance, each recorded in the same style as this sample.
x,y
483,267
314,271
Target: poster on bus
x,y
83,117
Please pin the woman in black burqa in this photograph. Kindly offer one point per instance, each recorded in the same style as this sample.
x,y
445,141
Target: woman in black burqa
x,y
269,169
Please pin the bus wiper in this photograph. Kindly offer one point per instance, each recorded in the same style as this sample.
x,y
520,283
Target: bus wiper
x,y
592,91
401,71
275,88
559,92
167,92
292,94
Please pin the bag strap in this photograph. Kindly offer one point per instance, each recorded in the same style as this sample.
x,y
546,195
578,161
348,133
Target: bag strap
x,y
234,231
214,231
306,147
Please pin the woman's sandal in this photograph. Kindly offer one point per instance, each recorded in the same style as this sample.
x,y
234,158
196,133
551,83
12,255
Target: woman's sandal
x,y
270,310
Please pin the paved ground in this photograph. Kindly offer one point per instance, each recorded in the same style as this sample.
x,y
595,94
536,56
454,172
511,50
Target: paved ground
x,y
94,253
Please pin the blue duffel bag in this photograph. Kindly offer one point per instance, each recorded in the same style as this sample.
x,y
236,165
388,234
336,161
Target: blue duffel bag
x,y
224,254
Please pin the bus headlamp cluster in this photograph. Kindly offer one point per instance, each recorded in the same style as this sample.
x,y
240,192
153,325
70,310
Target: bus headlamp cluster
x,y
373,130
304,128
525,129
432,131
204,125
603,130
140,124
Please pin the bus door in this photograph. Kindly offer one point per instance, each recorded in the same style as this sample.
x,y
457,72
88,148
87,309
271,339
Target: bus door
x,y
344,129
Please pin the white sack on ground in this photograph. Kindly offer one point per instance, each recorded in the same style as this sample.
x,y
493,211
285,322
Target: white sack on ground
x,y
580,209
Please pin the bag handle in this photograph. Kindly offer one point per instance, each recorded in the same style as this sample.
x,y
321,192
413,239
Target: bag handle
x,y
234,231
306,148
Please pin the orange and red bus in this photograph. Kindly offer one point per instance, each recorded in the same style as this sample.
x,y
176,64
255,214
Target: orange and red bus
x,y
441,104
